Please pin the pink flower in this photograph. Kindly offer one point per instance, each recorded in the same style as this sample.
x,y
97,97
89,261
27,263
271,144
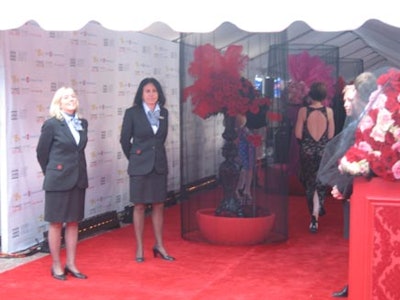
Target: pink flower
x,y
383,123
364,146
396,170
396,132
366,123
396,146
378,98
304,69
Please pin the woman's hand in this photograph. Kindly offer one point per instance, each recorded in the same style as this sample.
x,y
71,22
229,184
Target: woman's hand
x,y
336,194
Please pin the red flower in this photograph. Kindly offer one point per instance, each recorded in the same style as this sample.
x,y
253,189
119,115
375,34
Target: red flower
x,y
254,139
274,116
219,86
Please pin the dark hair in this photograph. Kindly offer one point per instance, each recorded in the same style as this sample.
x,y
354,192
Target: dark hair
x,y
317,91
138,97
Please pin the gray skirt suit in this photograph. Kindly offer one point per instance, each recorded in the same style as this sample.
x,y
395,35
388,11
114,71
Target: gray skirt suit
x,y
146,153
63,164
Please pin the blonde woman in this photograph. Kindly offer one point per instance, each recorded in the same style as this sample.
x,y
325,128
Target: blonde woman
x,y
61,155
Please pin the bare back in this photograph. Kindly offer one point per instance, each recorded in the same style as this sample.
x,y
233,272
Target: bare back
x,y
316,124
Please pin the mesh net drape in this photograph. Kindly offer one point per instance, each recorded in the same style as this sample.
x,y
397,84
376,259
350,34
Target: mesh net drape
x,y
202,148
351,67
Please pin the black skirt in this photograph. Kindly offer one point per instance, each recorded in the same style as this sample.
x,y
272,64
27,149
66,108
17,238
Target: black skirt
x,y
65,206
149,188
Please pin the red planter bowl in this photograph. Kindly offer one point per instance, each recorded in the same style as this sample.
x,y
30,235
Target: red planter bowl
x,y
233,231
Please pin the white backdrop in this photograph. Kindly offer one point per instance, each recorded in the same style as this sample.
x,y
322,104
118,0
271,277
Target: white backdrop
x,y
104,67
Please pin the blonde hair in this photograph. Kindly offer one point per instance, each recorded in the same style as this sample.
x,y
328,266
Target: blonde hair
x,y
55,106
350,88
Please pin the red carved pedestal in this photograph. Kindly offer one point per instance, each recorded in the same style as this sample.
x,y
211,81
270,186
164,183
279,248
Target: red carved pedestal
x,y
374,259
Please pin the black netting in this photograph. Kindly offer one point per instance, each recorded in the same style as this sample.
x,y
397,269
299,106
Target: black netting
x,y
202,145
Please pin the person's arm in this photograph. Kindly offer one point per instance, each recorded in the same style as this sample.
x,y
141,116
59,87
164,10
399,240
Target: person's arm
x,y
44,145
336,193
126,134
331,123
298,131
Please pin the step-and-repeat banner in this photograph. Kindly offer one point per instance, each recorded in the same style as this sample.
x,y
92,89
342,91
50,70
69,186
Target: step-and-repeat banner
x,y
104,67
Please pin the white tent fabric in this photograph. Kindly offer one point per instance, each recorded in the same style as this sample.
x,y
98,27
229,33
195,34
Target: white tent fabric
x,y
349,25
196,16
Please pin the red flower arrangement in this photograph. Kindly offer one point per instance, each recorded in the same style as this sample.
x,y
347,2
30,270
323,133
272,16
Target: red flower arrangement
x,y
219,86
254,139
377,140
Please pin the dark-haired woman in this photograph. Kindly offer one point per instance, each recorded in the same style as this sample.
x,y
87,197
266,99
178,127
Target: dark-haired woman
x,y
143,134
315,126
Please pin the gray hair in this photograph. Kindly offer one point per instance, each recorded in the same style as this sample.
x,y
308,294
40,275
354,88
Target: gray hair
x,y
365,84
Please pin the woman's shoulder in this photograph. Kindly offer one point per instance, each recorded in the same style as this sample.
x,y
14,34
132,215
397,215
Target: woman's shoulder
x,y
302,110
52,121
133,109
329,110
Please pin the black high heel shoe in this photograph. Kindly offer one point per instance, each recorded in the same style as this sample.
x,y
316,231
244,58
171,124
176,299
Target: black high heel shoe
x,y
166,257
58,276
343,293
313,225
139,256
75,274
139,259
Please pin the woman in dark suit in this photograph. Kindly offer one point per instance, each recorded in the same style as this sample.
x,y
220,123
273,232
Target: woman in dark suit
x,y
143,134
60,152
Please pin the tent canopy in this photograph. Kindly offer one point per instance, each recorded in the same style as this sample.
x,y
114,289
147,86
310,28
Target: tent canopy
x,y
195,16
368,32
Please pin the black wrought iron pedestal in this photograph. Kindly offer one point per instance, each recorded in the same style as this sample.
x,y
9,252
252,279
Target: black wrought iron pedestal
x,y
229,172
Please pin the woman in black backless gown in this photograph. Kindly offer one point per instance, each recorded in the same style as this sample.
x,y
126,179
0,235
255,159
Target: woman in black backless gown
x,y
315,126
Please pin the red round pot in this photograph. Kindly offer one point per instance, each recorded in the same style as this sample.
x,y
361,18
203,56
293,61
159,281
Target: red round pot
x,y
233,231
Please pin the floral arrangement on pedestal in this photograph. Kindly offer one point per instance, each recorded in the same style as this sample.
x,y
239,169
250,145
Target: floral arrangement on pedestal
x,y
219,86
377,139
305,69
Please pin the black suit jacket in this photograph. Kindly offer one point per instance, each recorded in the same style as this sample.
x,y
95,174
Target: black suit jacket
x,y
144,149
63,162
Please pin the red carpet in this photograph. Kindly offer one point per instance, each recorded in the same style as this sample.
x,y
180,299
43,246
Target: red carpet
x,y
306,266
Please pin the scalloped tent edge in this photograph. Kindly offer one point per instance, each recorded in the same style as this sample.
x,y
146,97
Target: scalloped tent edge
x,y
194,16
372,42
364,31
